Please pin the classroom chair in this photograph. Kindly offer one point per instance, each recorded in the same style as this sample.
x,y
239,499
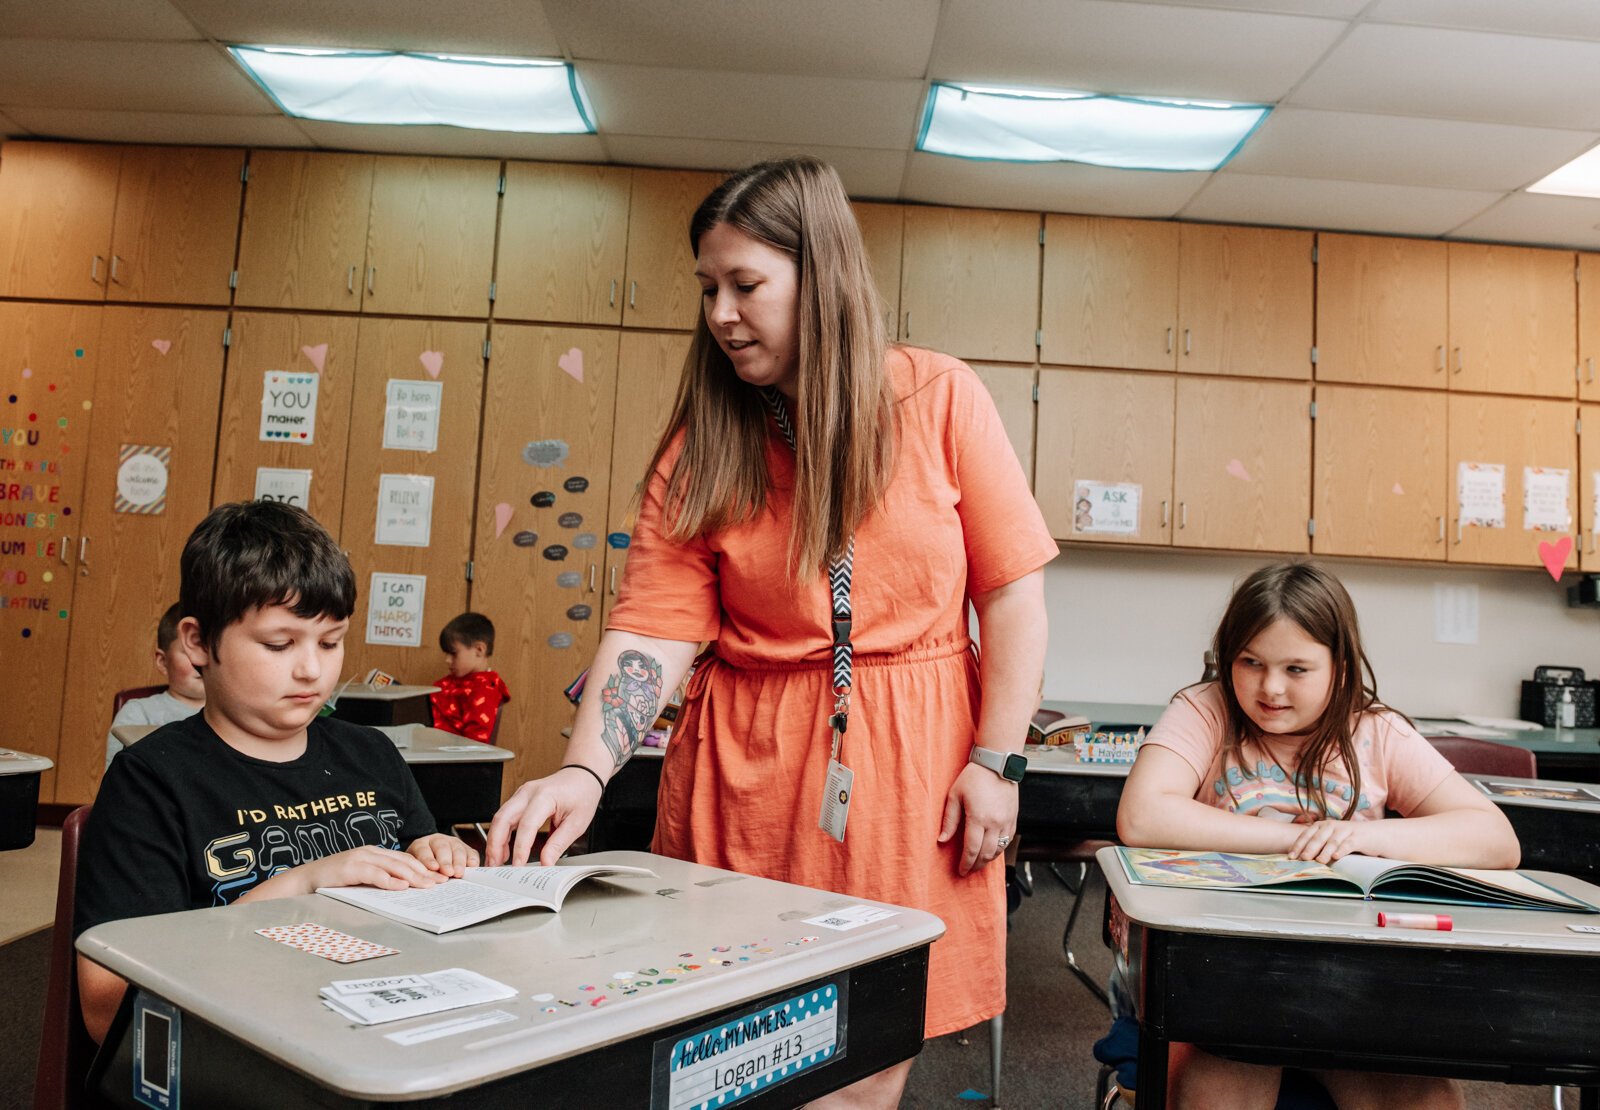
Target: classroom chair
x,y
1472,756
122,697
65,1047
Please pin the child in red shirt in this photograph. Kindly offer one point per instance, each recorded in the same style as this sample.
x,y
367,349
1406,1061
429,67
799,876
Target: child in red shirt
x,y
468,700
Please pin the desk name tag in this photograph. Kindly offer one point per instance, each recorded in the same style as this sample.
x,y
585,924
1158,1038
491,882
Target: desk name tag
x,y
726,1063
157,1028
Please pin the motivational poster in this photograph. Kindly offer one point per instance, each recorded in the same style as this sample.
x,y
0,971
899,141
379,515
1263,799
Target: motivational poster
x,y
405,509
1544,499
1106,508
394,609
292,487
289,407
142,479
411,415
1481,493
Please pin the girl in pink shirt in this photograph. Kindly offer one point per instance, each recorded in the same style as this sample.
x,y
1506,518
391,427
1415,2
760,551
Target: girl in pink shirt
x,y
1294,732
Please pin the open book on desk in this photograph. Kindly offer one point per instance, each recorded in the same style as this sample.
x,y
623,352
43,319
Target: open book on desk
x,y
1350,877
482,893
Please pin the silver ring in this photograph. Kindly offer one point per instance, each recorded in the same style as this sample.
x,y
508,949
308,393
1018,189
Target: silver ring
x,y
1002,841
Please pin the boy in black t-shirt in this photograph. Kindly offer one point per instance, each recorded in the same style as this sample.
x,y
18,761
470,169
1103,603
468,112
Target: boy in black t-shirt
x,y
255,796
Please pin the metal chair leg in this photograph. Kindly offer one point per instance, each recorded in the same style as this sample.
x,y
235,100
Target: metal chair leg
x,y
996,1031
1084,874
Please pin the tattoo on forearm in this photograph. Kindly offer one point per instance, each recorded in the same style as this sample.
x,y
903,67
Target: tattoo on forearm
x,y
629,702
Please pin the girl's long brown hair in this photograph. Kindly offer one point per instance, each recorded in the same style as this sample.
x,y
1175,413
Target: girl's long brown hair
x,y
844,406
1316,601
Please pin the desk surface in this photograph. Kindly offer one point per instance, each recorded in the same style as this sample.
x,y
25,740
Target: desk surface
x,y
425,744
22,763
392,692
1580,797
576,973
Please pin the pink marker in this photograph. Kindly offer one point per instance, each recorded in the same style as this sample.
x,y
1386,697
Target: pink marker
x,y
1439,922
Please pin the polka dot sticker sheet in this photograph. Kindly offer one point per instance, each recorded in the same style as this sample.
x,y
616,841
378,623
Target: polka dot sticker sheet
x,y
330,944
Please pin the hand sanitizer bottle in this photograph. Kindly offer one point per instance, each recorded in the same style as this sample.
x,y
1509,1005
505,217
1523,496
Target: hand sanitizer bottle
x,y
1568,717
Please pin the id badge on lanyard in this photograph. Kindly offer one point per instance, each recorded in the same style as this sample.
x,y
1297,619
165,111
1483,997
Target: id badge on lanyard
x,y
837,789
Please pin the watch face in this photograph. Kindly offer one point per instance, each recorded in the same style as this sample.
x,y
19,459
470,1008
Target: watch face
x,y
1014,768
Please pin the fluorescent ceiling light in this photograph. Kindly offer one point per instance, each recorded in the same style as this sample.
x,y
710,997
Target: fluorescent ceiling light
x,y
374,86
1578,178
1123,132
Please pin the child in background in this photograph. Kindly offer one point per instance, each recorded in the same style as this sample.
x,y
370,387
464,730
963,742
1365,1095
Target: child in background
x,y
1293,732
255,796
183,697
468,700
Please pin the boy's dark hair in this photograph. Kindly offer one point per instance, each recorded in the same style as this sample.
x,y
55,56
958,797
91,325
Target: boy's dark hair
x,y
167,628
466,630
254,554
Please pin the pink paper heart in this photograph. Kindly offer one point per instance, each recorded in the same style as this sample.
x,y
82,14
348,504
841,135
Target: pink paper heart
x,y
572,363
502,517
1237,470
318,355
1554,555
162,345
1398,491
432,362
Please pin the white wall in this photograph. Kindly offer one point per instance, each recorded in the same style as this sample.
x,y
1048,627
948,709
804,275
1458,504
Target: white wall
x,y
1131,626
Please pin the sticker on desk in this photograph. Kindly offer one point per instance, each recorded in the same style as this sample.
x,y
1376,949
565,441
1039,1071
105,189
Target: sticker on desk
x,y
851,917
1584,928
450,1027
726,1063
330,944
157,1039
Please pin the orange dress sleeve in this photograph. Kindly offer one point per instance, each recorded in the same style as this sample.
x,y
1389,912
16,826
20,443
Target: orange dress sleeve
x,y
669,590
1001,525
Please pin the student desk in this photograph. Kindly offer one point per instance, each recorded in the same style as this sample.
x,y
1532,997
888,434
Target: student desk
x,y
19,796
1556,835
252,1031
1510,996
386,705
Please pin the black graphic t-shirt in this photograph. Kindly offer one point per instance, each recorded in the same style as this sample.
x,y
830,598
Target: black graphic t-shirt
x,y
183,821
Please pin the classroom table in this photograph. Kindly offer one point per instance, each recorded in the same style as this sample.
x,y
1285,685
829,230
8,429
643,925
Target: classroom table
x,y
384,705
1557,834
1510,996
611,991
19,796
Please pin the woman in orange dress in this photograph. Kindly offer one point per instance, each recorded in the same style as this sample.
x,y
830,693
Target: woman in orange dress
x,y
801,442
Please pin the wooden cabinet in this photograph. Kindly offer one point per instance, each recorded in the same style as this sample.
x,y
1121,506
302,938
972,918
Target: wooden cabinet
x,y
970,283
648,373
662,290
303,240
430,236
156,393
883,231
390,357
277,353
118,223
1382,310
1110,293
1379,485
545,454
563,243
1588,326
1242,465
1112,431
1011,389
1588,486
1516,435
56,206
1513,320
1244,301
49,355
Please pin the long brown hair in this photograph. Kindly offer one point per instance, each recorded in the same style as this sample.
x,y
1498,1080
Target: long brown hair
x,y
843,410
1315,601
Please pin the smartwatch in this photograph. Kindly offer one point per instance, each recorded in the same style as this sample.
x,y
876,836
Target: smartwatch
x,y
1008,765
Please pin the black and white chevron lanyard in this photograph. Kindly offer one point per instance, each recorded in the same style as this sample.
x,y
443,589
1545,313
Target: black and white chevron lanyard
x,y
839,573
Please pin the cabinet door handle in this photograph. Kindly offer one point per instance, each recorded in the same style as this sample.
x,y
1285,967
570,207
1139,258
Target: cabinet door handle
x,y
83,555
613,301
907,334
1169,341
611,575
1461,360
372,278
1183,514
1439,364
1591,541
94,269
593,568
1588,368
350,279
1188,346
1459,527
633,293
1441,529
1166,516
116,263
66,546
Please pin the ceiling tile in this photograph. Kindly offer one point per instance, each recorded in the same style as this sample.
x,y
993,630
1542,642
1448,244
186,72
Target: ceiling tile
x,y
1424,71
456,141
126,76
147,20
838,38
753,107
1402,150
1542,220
871,174
160,127
1105,46
1578,19
497,27
1335,205
1054,187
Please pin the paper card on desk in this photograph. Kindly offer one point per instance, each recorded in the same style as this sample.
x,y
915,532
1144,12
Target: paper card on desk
x,y
1542,792
851,917
440,990
330,944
